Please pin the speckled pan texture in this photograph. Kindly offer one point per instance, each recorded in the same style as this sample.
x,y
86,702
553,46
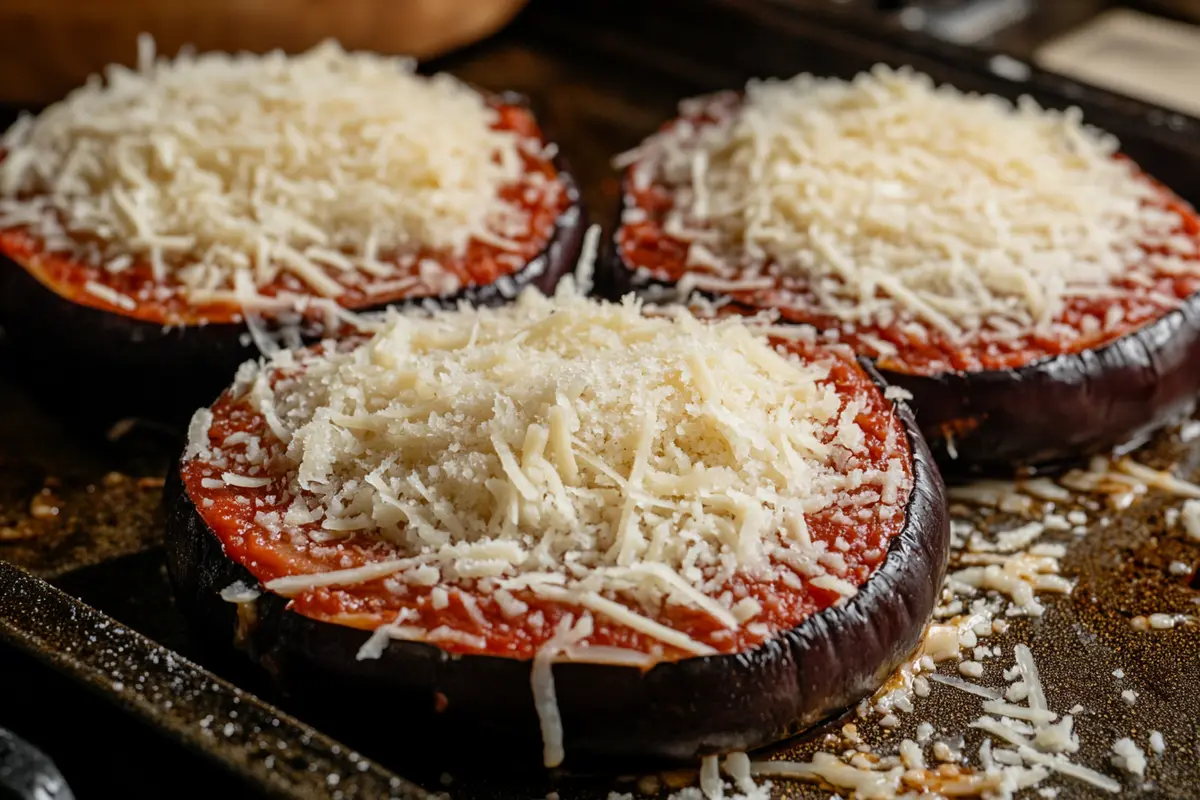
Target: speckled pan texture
x,y
80,487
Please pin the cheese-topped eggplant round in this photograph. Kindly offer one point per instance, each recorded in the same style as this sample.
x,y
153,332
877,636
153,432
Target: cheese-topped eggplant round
x,y
631,535
156,217
1031,287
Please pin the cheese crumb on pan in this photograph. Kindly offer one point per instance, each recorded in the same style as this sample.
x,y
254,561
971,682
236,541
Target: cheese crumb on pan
x,y
1191,519
1129,757
582,452
222,171
889,199
1026,742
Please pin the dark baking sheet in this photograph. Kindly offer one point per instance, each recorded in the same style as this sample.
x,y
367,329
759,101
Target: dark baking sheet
x,y
79,495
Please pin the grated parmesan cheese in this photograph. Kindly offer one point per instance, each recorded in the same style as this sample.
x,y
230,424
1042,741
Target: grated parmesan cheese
x,y
827,768
244,481
239,592
545,701
197,433
1020,577
966,686
377,642
710,778
887,200
580,451
1129,757
109,294
223,172
1190,515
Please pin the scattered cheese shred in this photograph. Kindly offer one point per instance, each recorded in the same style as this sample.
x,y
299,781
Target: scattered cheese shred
x,y
109,295
1025,740
545,700
295,584
1129,757
240,592
866,784
710,778
1191,519
245,481
966,686
377,642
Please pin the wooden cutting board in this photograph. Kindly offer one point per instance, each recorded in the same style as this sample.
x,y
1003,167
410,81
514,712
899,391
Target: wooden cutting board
x,y
47,47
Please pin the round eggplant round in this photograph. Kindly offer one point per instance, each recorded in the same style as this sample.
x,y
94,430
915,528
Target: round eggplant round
x,y
54,335
1045,414
671,713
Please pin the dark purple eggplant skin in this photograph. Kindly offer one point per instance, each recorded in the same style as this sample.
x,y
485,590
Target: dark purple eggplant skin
x,y
1041,416
198,361
612,715
1057,410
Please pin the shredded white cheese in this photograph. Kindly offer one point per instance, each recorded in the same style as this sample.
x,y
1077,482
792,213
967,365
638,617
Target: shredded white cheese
x,y
244,481
295,584
710,778
221,172
581,451
109,294
1021,577
1025,739
966,686
377,642
1190,515
545,700
239,592
197,433
888,199
827,768
1129,757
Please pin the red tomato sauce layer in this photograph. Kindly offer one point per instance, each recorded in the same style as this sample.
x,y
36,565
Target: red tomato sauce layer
x,y
645,244
479,265
860,535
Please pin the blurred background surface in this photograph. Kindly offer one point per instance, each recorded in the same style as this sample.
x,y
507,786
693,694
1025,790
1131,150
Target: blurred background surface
x,y
49,46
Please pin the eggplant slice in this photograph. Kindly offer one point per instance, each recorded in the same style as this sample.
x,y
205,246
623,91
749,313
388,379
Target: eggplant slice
x,y
1043,415
1057,410
674,712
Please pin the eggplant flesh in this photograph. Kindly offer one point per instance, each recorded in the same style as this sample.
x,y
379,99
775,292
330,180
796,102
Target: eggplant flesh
x,y
611,715
1041,416
61,343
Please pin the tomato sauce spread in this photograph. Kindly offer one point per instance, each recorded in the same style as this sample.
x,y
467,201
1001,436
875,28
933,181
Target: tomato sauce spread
x,y
479,265
1142,297
245,521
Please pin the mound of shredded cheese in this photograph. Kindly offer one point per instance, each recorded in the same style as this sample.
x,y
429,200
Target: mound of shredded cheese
x,y
891,199
580,450
221,171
